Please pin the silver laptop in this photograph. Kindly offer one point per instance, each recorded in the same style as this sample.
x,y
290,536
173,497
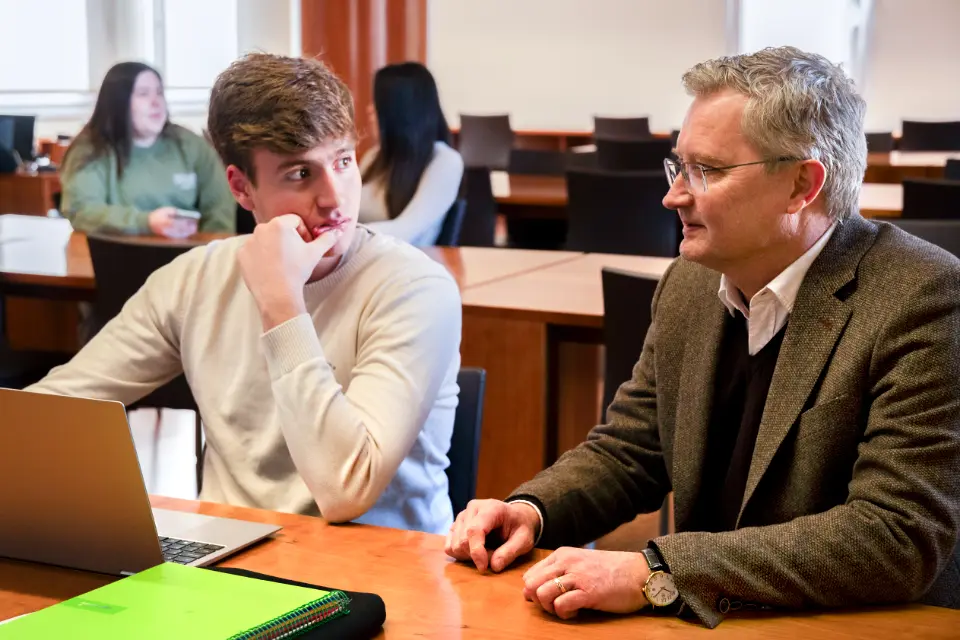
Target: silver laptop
x,y
72,494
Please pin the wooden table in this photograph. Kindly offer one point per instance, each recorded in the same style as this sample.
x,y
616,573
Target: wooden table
x,y
538,335
45,269
428,595
896,166
28,194
546,196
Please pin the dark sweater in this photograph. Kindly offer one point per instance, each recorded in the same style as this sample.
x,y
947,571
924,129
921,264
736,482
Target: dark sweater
x,y
740,393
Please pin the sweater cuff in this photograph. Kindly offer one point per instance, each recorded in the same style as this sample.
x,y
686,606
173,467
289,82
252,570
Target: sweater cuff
x,y
290,344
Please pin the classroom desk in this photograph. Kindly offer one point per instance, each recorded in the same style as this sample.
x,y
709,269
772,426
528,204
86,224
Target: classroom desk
x,y
538,334
28,194
896,166
428,595
546,196
45,269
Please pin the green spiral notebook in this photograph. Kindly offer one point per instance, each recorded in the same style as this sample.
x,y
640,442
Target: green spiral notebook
x,y
175,601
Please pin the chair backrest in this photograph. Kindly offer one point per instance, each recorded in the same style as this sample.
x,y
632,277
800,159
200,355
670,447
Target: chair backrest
x,y
930,136
620,213
632,155
952,170
480,218
465,442
943,233
537,162
625,128
121,266
627,298
245,221
485,141
452,224
931,198
880,142
674,136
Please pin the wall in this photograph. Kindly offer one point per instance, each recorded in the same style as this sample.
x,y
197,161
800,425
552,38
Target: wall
x,y
553,64
912,69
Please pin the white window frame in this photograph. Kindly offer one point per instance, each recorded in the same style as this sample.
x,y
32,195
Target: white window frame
x,y
127,30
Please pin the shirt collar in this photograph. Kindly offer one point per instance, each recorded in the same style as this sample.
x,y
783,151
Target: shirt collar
x,y
785,286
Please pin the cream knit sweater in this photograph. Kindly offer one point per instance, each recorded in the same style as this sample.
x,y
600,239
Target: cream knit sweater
x,y
345,412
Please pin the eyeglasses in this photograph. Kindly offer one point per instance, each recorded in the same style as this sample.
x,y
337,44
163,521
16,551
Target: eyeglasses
x,y
695,174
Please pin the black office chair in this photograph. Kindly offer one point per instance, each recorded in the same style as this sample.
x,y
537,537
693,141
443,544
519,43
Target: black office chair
x,y
245,221
582,161
537,162
943,233
452,224
622,128
930,136
464,452
632,155
480,218
122,265
880,142
485,141
952,170
931,198
620,213
627,298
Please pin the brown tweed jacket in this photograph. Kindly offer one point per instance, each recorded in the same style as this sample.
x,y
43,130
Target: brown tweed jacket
x,y
853,493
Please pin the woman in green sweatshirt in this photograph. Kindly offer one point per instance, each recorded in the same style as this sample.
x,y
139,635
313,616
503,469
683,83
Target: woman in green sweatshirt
x,y
131,171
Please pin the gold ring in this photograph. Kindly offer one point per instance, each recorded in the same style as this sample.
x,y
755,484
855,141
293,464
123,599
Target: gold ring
x,y
560,586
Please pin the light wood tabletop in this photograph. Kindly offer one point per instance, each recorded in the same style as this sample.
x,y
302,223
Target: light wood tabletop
x,y
473,266
428,595
568,293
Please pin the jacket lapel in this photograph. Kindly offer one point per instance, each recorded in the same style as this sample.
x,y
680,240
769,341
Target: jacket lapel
x,y
815,325
694,403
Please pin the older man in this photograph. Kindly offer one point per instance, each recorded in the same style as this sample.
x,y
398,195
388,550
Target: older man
x,y
798,391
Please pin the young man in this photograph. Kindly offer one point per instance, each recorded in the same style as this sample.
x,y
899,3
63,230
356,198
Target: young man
x,y
798,390
323,356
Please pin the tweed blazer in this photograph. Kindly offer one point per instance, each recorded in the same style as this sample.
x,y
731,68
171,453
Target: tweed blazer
x,y
853,492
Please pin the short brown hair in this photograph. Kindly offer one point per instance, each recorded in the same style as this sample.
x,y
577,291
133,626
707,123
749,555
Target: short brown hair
x,y
286,105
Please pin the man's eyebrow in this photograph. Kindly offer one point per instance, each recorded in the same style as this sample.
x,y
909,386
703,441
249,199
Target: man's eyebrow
x,y
292,162
706,160
346,147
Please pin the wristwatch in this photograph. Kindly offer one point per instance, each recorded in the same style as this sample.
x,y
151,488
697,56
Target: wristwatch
x,y
659,588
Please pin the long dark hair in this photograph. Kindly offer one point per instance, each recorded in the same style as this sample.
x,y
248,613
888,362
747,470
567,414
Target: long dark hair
x,y
410,121
110,127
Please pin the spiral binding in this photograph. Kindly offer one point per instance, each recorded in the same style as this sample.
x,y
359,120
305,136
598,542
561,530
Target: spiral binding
x,y
333,605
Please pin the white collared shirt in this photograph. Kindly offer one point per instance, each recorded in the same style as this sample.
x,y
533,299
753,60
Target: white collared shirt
x,y
771,306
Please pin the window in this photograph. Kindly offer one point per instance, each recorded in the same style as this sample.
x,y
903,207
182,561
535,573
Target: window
x,y
45,53
61,51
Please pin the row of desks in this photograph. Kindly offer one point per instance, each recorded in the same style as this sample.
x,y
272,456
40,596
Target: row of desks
x,y
33,193
546,196
429,596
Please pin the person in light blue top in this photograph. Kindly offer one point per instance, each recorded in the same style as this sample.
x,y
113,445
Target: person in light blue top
x,y
412,177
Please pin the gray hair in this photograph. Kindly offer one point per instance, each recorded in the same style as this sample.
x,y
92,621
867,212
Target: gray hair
x,y
799,105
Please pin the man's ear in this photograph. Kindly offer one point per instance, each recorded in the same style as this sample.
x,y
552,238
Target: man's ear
x,y
806,185
241,186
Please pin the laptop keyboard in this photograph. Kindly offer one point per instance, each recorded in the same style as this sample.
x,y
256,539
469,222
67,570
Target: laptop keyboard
x,y
185,551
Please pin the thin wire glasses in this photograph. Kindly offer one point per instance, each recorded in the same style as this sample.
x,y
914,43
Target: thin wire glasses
x,y
695,174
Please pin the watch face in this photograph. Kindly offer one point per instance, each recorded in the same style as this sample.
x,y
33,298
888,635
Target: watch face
x,y
660,589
